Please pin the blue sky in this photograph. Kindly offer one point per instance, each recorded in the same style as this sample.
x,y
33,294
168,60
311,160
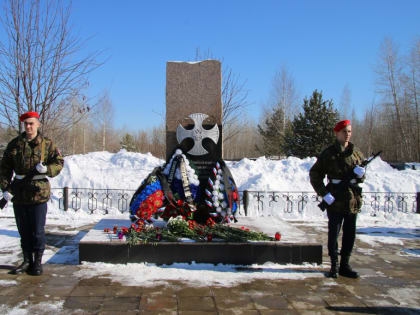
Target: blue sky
x,y
324,44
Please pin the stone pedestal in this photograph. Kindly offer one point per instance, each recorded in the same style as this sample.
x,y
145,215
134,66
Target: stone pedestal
x,y
97,246
194,88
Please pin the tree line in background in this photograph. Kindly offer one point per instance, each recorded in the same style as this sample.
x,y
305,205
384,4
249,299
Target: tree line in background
x,y
390,124
41,69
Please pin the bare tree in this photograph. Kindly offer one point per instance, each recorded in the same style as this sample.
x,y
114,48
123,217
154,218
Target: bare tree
x,y
344,107
284,94
104,113
389,72
40,66
413,86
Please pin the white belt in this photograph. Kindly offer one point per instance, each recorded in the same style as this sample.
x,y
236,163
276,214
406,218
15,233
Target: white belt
x,y
338,181
36,177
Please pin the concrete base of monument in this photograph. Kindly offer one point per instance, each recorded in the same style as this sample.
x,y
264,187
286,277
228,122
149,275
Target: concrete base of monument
x,y
294,247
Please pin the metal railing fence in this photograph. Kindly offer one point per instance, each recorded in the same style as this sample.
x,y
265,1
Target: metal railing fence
x,y
253,202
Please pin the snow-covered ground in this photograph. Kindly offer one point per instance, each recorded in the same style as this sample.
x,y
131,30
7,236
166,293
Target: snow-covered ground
x,y
126,170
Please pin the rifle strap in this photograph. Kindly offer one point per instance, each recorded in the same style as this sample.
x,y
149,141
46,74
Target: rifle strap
x,y
42,150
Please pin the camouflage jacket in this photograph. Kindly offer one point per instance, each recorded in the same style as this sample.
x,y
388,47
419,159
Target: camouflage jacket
x,y
21,156
338,164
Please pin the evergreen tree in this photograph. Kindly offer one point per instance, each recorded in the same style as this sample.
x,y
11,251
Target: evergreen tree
x,y
128,143
272,132
312,130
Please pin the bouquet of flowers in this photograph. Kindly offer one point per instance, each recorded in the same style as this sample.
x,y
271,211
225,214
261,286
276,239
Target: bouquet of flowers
x,y
148,200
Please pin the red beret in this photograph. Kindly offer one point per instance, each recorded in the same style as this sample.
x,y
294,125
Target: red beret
x,y
341,124
28,115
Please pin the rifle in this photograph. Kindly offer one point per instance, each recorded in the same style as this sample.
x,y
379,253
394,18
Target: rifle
x,y
347,181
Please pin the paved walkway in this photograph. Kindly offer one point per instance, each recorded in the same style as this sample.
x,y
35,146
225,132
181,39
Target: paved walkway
x,y
390,284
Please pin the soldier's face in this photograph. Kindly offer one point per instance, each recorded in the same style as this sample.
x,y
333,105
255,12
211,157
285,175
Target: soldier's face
x,y
344,135
31,127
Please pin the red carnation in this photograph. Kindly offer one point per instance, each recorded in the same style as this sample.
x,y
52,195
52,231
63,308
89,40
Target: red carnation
x,y
158,203
277,236
159,193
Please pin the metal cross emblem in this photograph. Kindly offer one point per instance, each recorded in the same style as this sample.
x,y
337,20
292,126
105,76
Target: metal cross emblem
x,y
197,134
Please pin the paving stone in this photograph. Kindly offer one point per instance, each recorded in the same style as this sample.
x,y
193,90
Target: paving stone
x,y
35,299
193,303
369,295
95,282
317,311
91,291
344,301
197,313
128,291
53,290
158,290
61,281
33,280
238,311
271,302
17,290
144,312
158,303
380,300
234,302
118,312
11,301
121,304
228,291
305,302
84,303
279,312
62,270
194,291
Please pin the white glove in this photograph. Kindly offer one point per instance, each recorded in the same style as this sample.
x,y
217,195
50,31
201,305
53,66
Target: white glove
x,y
359,171
329,199
41,168
8,196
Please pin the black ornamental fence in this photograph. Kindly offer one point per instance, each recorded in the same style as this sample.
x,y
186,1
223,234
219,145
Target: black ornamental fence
x,y
253,203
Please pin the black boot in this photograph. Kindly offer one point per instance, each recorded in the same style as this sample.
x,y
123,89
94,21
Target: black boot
x,y
25,266
333,271
345,269
37,268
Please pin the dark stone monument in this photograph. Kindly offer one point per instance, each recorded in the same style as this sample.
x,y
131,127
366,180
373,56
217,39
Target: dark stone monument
x,y
194,112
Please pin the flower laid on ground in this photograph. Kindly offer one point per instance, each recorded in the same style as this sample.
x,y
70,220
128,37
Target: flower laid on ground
x,y
180,227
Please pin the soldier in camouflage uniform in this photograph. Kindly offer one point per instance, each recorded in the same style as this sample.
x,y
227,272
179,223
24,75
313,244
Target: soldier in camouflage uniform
x,y
337,162
35,157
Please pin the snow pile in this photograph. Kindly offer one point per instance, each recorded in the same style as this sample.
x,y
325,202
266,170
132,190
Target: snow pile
x,y
105,170
127,170
197,275
292,174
